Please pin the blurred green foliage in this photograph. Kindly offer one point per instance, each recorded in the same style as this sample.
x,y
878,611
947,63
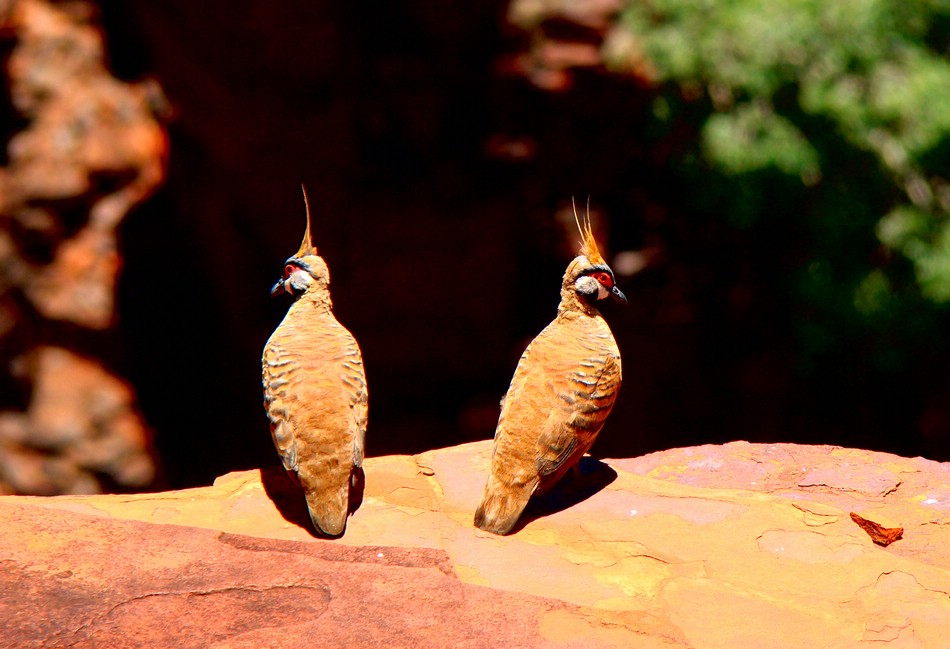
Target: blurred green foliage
x,y
834,116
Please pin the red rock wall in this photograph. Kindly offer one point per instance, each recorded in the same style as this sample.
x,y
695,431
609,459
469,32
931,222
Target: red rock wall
x,y
84,149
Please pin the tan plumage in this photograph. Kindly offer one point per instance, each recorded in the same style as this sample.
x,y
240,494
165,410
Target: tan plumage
x,y
562,391
315,391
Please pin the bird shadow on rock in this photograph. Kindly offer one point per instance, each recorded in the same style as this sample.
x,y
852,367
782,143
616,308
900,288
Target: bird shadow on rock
x,y
288,497
591,476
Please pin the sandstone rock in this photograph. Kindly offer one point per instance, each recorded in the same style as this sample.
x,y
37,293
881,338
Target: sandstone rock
x,y
80,427
740,545
90,148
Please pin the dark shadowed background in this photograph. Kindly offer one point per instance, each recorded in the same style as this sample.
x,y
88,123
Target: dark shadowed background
x,y
439,176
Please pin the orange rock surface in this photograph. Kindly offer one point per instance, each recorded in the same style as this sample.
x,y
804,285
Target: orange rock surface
x,y
740,545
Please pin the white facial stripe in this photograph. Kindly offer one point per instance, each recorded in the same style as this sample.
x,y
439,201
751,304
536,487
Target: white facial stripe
x,y
299,280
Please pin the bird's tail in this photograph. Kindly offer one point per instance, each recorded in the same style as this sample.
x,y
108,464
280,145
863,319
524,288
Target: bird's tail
x,y
327,494
501,506
328,511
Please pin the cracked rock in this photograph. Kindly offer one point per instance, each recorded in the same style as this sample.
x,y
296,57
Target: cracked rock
x,y
712,546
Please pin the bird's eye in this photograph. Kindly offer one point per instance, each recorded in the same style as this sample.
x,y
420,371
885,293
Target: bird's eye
x,y
289,270
604,278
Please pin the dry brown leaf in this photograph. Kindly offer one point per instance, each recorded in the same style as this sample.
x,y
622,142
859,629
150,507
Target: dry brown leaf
x,y
881,535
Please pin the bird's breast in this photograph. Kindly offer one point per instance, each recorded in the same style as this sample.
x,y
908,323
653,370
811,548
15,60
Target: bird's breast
x,y
313,360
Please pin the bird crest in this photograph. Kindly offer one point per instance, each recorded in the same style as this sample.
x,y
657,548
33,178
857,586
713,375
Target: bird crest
x,y
306,246
588,242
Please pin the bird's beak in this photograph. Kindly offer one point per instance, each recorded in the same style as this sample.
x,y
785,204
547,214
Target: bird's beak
x,y
278,289
618,295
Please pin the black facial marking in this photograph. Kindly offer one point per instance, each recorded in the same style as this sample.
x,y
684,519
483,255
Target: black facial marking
x,y
292,265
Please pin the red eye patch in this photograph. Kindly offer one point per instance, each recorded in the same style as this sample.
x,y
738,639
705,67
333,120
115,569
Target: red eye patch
x,y
290,269
604,278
